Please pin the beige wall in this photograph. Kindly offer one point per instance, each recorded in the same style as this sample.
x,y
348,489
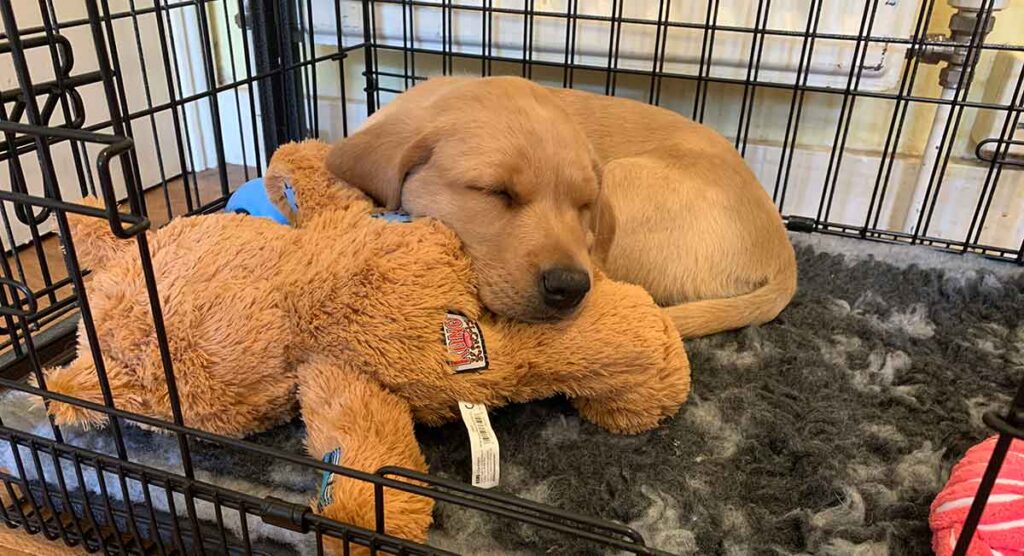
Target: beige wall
x,y
871,117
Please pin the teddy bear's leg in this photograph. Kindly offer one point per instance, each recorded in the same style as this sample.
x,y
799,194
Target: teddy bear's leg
x,y
654,392
630,412
353,422
79,379
619,359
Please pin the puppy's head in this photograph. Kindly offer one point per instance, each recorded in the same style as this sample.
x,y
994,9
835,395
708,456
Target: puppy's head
x,y
499,162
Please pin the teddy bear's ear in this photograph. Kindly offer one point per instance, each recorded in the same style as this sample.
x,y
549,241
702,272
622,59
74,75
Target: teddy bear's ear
x,y
276,184
377,159
94,243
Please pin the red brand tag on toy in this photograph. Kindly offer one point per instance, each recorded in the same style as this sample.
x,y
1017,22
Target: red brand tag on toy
x,y
465,343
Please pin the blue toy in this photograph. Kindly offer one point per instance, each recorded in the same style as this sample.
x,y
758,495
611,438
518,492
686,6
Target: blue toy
x,y
393,216
251,198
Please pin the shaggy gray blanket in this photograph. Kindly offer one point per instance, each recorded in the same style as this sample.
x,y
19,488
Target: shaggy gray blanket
x,y
828,431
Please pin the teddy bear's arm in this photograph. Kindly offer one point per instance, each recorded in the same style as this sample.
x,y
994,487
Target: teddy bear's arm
x,y
353,422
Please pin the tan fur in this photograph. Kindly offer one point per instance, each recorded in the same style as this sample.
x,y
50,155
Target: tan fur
x,y
318,190
425,153
679,211
347,310
345,408
96,245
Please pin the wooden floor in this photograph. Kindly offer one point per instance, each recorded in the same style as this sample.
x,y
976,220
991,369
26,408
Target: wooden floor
x,y
16,542
27,266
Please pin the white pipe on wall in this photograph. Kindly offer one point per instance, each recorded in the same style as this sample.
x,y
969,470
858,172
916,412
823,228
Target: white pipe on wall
x,y
959,35
929,159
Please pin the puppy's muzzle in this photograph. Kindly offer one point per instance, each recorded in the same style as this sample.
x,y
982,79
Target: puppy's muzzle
x,y
563,288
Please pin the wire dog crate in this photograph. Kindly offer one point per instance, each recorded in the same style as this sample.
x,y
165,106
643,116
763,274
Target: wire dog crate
x,y
166,106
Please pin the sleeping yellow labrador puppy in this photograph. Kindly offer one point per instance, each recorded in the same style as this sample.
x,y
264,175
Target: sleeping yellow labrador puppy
x,y
541,183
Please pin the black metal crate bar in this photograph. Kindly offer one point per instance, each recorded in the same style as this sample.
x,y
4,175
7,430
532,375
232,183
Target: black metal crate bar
x,y
284,59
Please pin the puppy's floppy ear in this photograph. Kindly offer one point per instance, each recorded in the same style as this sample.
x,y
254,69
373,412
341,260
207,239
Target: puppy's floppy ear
x,y
377,158
603,224
602,220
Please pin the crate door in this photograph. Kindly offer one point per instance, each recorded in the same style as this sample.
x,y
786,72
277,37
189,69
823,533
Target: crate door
x,y
155,74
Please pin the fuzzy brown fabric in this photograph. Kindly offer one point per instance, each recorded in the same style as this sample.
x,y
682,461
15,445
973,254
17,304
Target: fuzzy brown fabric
x,y
349,305
826,432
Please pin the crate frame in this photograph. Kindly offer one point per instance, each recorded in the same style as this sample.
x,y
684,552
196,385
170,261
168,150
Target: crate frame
x,y
284,66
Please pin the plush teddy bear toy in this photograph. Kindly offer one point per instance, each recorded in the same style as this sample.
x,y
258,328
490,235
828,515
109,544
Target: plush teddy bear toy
x,y
368,325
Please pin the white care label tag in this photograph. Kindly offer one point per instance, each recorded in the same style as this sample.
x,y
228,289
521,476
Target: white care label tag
x,y
483,445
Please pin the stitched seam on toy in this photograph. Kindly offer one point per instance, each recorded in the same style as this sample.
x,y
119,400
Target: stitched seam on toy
x,y
327,480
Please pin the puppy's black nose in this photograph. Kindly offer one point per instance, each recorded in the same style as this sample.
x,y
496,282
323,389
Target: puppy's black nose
x,y
564,288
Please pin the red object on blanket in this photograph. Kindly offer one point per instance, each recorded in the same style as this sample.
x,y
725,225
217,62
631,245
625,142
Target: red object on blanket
x,y
1001,529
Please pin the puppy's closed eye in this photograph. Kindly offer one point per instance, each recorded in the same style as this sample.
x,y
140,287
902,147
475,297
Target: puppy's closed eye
x,y
502,194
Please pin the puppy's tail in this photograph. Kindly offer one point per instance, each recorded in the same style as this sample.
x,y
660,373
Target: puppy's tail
x,y
709,316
